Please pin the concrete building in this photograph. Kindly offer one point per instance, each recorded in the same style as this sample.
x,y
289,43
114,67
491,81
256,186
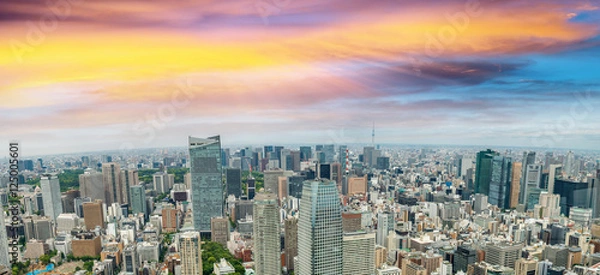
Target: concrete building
x,y
219,229
111,178
526,266
93,215
207,186
291,241
515,185
51,196
266,227
358,253
91,185
320,229
86,245
503,254
223,267
191,253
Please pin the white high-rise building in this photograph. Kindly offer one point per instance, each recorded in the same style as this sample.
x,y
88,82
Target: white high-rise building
x,y
358,253
191,254
267,245
549,206
320,235
51,196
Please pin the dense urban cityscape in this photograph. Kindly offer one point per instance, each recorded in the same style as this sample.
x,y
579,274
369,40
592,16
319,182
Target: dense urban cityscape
x,y
323,209
300,137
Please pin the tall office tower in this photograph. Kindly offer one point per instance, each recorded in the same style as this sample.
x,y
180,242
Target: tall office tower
x,y
128,178
138,200
295,160
483,171
515,185
91,185
526,266
4,256
341,155
234,182
68,200
368,155
160,182
329,150
277,151
291,241
324,171
207,186
528,159
557,254
271,180
85,161
463,257
51,196
499,192
78,205
549,206
320,229
533,176
111,177
266,228
93,215
130,264
282,188
553,171
191,252
358,253
503,254
336,173
305,153
219,230
285,156
385,223
466,163
570,164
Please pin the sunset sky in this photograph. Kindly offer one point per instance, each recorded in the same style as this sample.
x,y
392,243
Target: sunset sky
x,y
86,75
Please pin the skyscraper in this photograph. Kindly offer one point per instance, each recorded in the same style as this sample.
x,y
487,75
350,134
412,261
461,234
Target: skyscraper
x,y
51,196
160,181
234,182
320,229
267,246
528,159
128,178
138,200
533,176
500,183
207,186
483,171
291,241
111,177
191,254
515,184
305,153
91,185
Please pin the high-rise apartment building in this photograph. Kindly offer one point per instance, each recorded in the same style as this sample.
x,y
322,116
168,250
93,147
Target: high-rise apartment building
x,y
320,229
51,196
207,186
191,253
111,177
267,245
358,253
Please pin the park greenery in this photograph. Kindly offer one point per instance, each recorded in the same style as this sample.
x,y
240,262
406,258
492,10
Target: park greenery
x,y
213,252
259,180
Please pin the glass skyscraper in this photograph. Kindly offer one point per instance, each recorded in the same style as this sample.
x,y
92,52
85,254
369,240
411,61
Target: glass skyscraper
x,y
500,184
320,235
51,196
207,181
483,171
138,200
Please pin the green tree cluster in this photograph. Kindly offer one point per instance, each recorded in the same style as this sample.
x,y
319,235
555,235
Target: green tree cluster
x,y
213,252
69,179
259,180
179,173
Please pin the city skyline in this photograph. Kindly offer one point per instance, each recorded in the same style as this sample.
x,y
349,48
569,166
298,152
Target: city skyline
x,y
299,71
